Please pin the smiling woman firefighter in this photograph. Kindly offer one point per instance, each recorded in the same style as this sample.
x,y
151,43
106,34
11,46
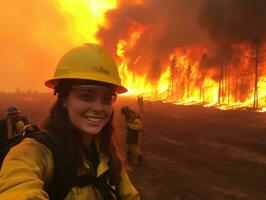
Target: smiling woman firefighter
x,y
76,156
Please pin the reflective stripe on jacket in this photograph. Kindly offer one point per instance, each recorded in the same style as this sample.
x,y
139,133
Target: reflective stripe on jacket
x,y
28,168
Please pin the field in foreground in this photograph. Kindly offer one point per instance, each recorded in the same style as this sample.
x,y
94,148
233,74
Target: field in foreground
x,y
191,153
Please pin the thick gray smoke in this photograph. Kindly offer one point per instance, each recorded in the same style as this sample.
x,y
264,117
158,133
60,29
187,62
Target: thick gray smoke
x,y
172,24
236,21
232,21
168,25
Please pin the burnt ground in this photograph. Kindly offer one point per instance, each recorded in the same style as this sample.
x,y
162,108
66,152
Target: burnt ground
x,y
195,153
190,152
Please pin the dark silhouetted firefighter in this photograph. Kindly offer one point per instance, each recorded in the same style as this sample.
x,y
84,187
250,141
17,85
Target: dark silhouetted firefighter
x,y
12,125
134,127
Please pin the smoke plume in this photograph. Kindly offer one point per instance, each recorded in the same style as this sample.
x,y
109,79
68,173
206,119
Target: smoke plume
x,y
168,25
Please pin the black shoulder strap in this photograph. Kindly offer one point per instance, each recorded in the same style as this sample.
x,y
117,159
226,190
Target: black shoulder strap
x,y
3,133
64,175
107,192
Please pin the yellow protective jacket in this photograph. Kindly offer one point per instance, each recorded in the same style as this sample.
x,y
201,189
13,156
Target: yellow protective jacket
x,y
28,168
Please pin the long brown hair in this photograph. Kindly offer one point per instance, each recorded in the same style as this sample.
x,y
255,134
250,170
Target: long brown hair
x,y
58,122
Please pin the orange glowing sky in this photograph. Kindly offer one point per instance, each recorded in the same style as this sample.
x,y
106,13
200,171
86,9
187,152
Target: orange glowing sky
x,y
35,34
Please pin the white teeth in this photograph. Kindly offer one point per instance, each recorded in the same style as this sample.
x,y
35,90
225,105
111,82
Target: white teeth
x,y
93,119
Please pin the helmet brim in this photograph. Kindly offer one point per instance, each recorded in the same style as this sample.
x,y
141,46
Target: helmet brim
x,y
53,82
14,112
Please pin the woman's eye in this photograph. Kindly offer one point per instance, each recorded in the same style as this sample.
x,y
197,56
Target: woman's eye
x,y
108,99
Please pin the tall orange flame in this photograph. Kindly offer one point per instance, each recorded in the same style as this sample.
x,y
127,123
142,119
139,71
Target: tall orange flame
x,y
189,85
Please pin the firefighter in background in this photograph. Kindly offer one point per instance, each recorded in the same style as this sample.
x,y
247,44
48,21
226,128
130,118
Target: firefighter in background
x,y
12,125
140,104
134,127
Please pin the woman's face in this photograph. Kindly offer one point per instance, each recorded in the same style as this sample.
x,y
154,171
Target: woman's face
x,y
90,107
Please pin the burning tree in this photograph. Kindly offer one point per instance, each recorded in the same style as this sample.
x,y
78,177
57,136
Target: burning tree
x,y
172,76
202,64
188,74
155,74
256,42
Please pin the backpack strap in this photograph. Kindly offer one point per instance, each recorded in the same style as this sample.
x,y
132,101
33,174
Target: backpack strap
x,y
105,189
64,176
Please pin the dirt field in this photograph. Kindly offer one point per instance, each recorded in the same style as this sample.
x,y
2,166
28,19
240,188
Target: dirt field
x,y
191,153
195,153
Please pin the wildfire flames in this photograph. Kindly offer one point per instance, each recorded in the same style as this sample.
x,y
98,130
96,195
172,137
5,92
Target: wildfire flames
x,y
163,51
182,81
231,75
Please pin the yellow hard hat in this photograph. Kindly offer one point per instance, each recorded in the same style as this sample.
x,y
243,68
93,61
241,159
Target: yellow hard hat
x,y
87,62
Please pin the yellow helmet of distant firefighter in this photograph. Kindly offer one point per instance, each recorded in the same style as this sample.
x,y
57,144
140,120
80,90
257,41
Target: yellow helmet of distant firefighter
x,y
87,62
